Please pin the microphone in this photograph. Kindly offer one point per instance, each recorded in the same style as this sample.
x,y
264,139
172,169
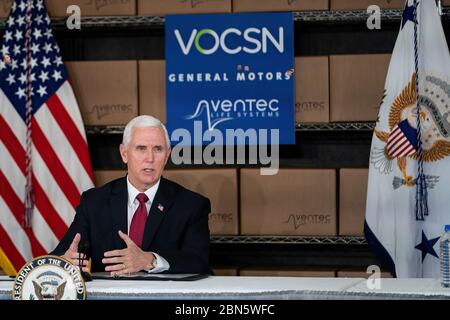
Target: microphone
x,y
83,249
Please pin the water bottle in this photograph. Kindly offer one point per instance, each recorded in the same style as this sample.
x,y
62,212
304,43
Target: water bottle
x,y
445,257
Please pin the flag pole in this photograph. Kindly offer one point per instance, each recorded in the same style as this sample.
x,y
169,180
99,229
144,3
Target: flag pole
x,y
29,197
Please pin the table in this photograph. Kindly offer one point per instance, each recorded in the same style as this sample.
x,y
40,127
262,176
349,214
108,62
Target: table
x,y
260,288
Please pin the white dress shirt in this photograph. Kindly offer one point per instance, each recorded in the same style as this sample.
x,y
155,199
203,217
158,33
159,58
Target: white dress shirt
x,y
133,203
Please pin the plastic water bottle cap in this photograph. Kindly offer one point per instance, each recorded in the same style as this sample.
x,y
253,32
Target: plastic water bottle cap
x,y
447,227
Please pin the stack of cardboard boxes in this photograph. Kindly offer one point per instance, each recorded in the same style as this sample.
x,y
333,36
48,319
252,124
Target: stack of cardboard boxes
x,y
338,88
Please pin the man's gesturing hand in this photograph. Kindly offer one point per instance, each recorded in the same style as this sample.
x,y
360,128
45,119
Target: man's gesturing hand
x,y
74,256
128,260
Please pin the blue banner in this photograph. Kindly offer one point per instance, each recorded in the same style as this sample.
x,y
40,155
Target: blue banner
x,y
230,72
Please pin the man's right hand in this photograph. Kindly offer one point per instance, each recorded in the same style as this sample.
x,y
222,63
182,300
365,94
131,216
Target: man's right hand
x,y
74,256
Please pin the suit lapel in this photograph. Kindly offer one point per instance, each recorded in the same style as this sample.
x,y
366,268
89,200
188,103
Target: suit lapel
x,y
158,210
118,209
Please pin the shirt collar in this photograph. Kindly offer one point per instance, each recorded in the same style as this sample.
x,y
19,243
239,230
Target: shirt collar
x,y
133,192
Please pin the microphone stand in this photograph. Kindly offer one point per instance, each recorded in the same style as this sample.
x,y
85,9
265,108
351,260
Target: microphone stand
x,y
83,250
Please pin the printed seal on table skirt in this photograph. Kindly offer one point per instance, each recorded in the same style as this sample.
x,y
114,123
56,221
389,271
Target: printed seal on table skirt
x,y
49,278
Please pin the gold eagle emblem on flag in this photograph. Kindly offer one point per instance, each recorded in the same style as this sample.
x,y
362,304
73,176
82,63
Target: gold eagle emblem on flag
x,y
402,122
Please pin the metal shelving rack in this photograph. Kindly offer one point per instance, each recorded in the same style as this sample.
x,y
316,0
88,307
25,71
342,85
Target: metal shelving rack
x,y
300,16
343,240
339,126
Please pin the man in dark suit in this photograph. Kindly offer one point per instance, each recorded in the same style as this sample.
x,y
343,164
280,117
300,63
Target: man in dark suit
x,y
141,221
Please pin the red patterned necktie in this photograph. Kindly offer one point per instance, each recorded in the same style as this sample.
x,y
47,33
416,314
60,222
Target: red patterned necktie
x,y
138,222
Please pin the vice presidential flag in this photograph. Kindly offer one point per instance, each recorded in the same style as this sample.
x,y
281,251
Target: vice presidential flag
x,y
408,242
44,159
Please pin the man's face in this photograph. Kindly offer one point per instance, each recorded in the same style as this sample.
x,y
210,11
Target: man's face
x,y
145,157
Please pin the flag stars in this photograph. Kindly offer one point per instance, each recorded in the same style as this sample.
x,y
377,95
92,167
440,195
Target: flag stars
x,y
42,91
22,6
20,20
14,64
11,79
39,5
39,20
48,47
8,36
5,50
23,78
33,62
20,93
35,48
56,75
58,61
48,33
426,246
16,49
10,21
46,62
37,34
18,35
408,14
43,76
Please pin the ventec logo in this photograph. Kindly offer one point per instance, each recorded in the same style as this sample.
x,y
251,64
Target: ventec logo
x,y
258,39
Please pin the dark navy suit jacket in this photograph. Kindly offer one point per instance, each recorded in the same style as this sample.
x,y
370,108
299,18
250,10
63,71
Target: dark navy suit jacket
x,y
176,227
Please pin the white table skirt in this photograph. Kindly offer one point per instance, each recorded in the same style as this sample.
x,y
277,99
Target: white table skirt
x,y
284,288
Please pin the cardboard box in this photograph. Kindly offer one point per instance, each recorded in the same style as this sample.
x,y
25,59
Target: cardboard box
x,y
278,5
292,202
161,8
364,4
220,186
288,272
5,7
104,176
312,95
152,88
359,273
352,204
225,272
106,91
356,86
58,8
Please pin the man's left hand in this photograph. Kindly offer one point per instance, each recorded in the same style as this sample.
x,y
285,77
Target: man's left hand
x,y
128,260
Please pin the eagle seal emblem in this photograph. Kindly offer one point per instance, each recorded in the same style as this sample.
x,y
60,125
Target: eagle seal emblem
x,y
49,278
400,142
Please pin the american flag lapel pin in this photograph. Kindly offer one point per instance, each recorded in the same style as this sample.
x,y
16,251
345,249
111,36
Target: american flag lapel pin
x,y
160,207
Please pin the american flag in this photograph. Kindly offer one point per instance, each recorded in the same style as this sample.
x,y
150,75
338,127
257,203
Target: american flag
x,y
44,159
402,141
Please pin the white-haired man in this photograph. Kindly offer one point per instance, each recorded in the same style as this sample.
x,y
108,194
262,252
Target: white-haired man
x,y
141,222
